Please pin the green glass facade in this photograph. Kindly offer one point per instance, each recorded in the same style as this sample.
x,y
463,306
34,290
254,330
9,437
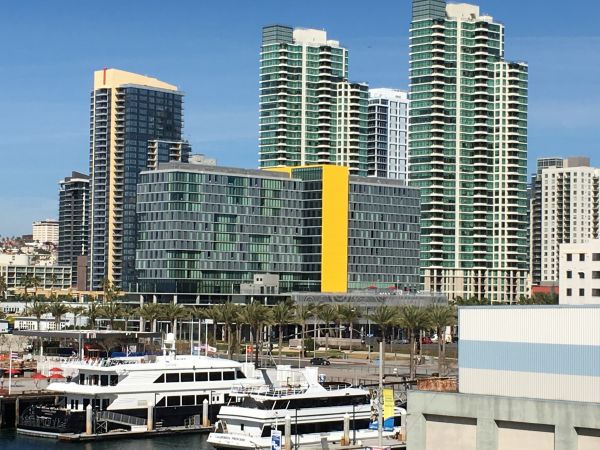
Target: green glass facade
x,y
468,155
208,229
309,112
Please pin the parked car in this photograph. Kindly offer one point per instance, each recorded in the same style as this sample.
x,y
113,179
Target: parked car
x,y
320,362
400,341
426,340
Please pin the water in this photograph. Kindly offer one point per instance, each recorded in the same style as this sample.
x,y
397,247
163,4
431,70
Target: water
x,y
9,440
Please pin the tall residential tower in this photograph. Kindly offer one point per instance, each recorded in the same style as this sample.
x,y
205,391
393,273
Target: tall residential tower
x,y
468,153
73,226
309,112
131,116
387,141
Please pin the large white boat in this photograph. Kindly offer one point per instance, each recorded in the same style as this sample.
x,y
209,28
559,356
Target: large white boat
x,y
316,412
121,390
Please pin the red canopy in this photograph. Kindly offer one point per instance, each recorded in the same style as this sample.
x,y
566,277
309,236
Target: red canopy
x,y
56,369
38,376
12,371
56,376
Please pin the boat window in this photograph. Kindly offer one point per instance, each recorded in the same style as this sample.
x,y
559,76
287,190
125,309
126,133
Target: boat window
x,y
187,377
188,400
172,378
81,378
86,401
103,380
228,375
105,403
173,401
239,374
201,376
160,379
161,402
266,431
200,399
215,376
114,380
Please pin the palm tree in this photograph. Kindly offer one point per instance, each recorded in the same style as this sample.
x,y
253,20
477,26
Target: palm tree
x,y
127,313
30,282
349,314
257,316
149,312
93,314
3,289
58,309
304,312
414,319
110,290
283,314
327,314
228,314
37,310
441,317
384,316
173,312
111,310
77,311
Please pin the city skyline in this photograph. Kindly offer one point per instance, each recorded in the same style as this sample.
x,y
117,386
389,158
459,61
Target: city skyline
x,y
46,129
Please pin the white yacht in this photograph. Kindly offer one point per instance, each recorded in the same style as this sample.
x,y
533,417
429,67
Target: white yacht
x,y
316,412
121,390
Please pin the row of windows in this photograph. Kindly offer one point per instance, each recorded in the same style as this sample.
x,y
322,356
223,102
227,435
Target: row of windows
x,y
188,377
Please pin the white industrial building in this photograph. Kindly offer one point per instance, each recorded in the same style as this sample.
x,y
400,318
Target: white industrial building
x,y
579,280
529,379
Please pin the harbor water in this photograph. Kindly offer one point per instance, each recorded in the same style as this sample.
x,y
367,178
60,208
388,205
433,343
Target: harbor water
x,y
10,440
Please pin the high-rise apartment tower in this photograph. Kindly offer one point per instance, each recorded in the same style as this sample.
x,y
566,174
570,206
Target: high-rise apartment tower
x,y
73,223
131,116
468,153
387,142
309,112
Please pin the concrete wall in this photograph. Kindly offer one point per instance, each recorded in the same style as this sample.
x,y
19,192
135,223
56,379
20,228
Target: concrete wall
x,y
442,421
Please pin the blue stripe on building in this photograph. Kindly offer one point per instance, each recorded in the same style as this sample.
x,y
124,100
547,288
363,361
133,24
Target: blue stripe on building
x,y
560,359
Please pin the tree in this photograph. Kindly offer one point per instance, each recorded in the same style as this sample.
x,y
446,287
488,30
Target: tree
x,y
93,314
3,288
228,314
77,311
349,314
37,310
111,310
149,312
283,314
257,316
441,317
304,312
58,309
327,314
30,282
413,319
173,312
127,313
384,316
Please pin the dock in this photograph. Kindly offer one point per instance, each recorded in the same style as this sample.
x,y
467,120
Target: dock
x,y
135,434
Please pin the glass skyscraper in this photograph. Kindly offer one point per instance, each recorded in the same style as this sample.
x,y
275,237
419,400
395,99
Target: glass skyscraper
x,y
309,112
128,111
468,153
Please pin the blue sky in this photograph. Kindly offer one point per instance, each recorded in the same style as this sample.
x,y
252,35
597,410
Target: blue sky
x,y
210,50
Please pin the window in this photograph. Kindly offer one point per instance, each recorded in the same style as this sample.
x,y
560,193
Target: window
x,y
569,292
569,257
215,376
582,257
595,292
187,377
581,275
188,400
239,374
201,376
581,292
160,379
172,378
569,274
596,275
200,399
174,401
228,375
595,256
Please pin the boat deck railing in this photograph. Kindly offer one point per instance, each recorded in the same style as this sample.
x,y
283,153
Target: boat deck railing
x,y
281,391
